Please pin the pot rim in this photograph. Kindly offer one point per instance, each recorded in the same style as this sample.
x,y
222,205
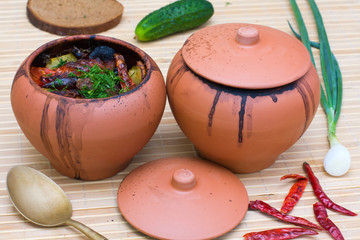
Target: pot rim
x,y
75,38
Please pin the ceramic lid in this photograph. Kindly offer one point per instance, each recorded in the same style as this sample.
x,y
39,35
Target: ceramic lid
x,y
182,198
246,56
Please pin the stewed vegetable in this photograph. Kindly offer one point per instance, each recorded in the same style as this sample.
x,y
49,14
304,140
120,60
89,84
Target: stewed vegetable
x,y
85,73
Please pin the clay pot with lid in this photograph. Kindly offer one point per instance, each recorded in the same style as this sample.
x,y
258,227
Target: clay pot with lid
x,y
243,93
89,139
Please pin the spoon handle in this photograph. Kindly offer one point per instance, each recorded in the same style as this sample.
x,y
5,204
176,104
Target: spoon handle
x,y
86,230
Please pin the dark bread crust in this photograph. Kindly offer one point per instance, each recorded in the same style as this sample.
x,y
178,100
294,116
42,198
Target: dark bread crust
x,y
47,26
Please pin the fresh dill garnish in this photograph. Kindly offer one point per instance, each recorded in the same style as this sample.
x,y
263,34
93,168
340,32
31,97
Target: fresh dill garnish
x,y
104,83
124,90
72,75
57,82
48,75
60,64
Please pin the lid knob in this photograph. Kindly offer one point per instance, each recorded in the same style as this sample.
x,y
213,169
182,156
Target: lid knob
x,y
247,35
183,179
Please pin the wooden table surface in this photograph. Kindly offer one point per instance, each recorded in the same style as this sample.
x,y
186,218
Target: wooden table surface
x,y
94,203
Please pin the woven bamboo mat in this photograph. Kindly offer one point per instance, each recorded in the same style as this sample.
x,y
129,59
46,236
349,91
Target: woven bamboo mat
x,y
94,202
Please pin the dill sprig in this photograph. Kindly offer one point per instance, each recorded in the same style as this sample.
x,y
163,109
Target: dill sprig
x,y
104,82
61,63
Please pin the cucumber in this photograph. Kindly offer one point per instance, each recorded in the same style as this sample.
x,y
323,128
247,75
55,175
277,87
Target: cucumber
x,y
176,17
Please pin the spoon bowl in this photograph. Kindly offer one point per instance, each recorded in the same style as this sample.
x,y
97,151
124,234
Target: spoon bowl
x,y
41,201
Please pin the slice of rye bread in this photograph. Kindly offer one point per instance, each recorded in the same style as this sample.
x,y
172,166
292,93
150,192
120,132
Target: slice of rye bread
x,y
73,17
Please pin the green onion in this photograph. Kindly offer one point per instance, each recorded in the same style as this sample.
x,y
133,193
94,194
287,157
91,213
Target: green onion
x,y
337,160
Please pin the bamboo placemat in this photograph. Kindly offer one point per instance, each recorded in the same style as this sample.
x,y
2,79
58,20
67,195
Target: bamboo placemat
x,y
94,203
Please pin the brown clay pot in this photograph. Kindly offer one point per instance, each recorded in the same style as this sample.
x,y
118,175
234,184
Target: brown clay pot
x,y
182,198
89,138
243,93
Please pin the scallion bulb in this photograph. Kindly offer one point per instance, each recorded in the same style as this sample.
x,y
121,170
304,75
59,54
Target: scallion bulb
x,y
337,160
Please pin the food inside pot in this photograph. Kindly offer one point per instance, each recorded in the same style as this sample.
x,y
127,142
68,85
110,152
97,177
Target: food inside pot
x,y
88,73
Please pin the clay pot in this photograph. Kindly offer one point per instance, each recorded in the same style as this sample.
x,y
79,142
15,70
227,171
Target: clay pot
x,y
182,198
243,93
89,138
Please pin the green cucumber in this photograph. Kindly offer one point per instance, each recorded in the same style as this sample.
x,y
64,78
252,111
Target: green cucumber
x,y
176,17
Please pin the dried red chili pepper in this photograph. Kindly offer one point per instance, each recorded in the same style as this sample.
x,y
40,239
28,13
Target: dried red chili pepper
x,y
295,192
279,234
322,217
266,208
320,194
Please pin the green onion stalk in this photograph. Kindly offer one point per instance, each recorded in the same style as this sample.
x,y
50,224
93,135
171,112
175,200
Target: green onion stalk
x,y
337,160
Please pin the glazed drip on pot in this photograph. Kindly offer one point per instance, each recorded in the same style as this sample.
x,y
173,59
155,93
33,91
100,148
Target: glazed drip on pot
x,y
302,88
86,73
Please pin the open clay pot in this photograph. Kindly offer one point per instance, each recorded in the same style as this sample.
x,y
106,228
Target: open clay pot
x,y
243,93
89,138
182,198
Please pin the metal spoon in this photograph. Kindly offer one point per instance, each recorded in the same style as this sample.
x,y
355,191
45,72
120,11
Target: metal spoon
x,y
42,201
